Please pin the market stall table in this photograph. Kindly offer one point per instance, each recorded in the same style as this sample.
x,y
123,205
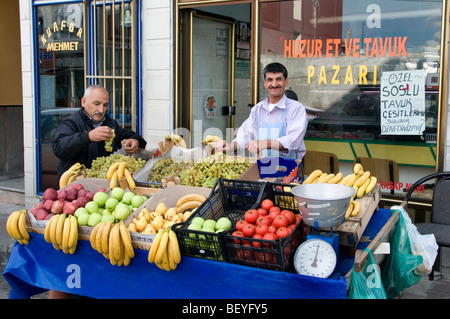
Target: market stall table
x,y
37,267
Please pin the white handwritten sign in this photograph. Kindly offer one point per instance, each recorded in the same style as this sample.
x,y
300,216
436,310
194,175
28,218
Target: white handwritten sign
x,y
402,102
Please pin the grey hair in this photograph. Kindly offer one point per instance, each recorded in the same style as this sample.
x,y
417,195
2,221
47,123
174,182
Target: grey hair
x,y
91,88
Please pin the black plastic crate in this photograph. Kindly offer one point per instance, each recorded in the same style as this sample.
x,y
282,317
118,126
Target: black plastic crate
x,y
228,198
277,254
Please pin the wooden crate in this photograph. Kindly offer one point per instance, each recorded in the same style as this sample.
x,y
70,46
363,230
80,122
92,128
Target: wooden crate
x,y
351,230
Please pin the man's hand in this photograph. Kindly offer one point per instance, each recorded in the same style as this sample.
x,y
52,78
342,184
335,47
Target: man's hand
x,y
130,145
101,133
256,147
223,147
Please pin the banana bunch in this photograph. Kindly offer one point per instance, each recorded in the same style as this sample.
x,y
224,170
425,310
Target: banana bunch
x,y
62,232
108,143
71,174
16,226
165,251
210,140
176,139
113,241
116,172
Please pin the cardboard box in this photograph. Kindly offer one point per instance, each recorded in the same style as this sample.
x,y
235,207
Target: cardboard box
x,y
170,197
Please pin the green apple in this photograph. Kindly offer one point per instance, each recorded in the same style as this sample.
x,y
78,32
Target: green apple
x,y
111,204
107,218
122,212
223,223
100,198
194,227
94,219
117,193
208,229
198,221
83,219
106,212
126,199
209,223
79,211
137,201
92,207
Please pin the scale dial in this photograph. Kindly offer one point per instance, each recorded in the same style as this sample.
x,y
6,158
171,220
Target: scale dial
x,y
315,257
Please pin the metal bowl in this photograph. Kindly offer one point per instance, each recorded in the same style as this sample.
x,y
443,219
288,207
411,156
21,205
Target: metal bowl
x,y
323,205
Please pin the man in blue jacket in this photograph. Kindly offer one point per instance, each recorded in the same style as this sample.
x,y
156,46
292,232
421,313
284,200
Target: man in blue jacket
x,y
81,137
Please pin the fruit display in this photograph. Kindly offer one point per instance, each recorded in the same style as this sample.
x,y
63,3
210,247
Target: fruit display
x,y
108,143
16,226
206,171
115,206
113,241
100,165
66,201
209,225
165,250
166,167
360,180
117,171
163,217
62,232
71,175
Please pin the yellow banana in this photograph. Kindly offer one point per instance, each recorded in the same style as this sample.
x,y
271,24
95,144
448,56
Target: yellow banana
x,y
93,236
126,238
357,168
349,210
173,242
178,140
105,237
23,226
112,242
98,238
72,178
154,247
53,229
164,264
114,180
126,259
59,229
129,179
47,229
65,235
111,170
362,188
12,225
170,258
327,178
372,183
363,178
210,140
315,174
162,247
116,248
72,171
356,208
352,179
336,179
344,180
120,170
73,237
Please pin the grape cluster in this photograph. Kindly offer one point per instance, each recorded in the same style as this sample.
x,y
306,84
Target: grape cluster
x,y
166,167
108,143
101,164
205,172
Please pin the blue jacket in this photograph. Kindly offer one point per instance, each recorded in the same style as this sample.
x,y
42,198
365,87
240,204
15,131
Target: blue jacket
x,y
72,145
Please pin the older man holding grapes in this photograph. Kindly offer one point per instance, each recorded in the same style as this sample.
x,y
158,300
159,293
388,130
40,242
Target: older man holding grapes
x,y
91,133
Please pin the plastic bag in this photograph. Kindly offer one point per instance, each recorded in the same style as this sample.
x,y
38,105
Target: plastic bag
x,y
398,269
423,245
367,284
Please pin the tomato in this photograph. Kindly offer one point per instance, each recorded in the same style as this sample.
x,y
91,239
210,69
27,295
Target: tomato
x,y
257,243
282,232
269,236
263,220
274,212
298,218
237,233
291,227
262,212
261,229
289,214
240,224
280,221
266,204
272,229
249,230
251,216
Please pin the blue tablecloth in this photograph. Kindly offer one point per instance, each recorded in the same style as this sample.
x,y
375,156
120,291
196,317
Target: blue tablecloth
x,y
37,267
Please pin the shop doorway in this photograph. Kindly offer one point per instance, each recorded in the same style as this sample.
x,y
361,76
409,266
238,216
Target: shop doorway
x,y
215,72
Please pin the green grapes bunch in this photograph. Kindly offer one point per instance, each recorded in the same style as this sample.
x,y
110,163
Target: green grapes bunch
x,y
101,164
108,143
205,172
166,167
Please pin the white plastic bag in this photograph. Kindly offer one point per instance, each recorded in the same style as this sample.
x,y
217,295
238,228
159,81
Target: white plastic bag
x,y
423,245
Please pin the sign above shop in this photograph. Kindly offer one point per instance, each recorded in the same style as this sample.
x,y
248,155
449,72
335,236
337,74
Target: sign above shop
x,y
48,37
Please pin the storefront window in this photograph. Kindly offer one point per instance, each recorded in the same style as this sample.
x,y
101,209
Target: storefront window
x,y
60,77
367,73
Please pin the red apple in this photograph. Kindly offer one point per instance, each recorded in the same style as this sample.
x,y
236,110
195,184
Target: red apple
x,y
72,194
69,208
101,190
62,194
48,216
34,210
90,196
41,214
40,204
57,207
50,193
77,186
48,205
82,193
81,201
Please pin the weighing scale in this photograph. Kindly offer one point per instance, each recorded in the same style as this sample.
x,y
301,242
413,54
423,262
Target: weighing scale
x,y
321,206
